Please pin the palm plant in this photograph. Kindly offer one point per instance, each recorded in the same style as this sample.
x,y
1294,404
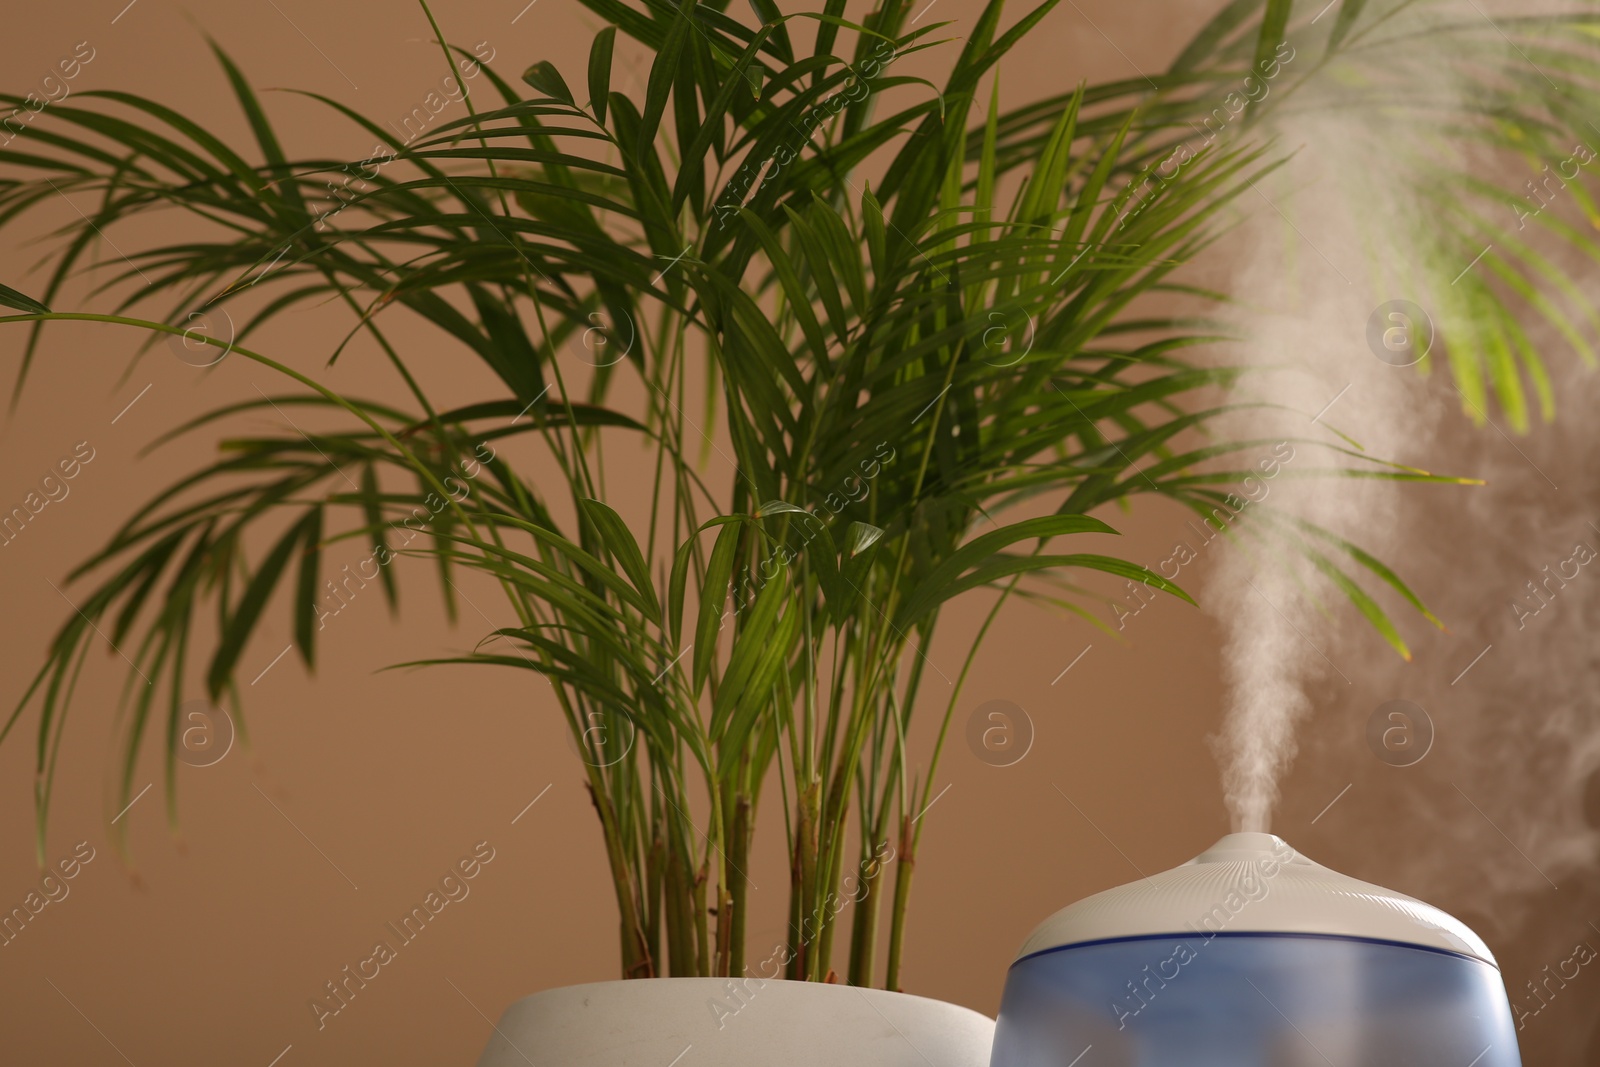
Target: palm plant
x,y
892,361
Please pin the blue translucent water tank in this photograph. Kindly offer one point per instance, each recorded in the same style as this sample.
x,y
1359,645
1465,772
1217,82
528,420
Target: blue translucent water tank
x,y
1251,955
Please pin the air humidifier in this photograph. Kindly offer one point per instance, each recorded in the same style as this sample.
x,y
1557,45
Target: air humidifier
x,y
1251,955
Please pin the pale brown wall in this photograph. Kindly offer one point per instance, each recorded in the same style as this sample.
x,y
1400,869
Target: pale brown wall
x,y
209,948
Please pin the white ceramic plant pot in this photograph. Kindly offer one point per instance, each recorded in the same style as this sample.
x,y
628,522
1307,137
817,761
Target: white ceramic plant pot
x,y
718,1022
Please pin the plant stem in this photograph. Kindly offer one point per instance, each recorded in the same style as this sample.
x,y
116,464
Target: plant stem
x,y
905,868
654,873
636,961
702,926
737,893
680,946
804,874
864,928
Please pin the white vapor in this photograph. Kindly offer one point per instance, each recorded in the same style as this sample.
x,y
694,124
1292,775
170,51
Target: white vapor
x,y
1326,242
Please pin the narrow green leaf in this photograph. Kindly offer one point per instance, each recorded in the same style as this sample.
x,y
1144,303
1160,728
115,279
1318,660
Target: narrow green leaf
x,y
676,587
242,622
262,128
710,135
1349,12
600,71
843,251
1006,565
758,687
862,537
544,77
1273,24
713,594
1373,564
983,199
823,559
10,298
663,71
619,539
372,509
1204,45
1089,196
306,623
932,589
1364,603
877,235
1043,194
750,645
822,275
789,278
767,11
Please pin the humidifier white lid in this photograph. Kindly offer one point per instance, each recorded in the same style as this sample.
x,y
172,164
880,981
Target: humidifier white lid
x,y
1254,883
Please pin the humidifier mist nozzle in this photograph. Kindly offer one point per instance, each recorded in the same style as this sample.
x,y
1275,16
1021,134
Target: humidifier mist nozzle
x,y
1253,882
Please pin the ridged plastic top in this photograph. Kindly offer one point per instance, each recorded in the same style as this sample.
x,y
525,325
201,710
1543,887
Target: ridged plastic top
x,y
1255,883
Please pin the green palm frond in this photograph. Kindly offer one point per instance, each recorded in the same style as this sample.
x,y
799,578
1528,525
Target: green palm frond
x,y
896,364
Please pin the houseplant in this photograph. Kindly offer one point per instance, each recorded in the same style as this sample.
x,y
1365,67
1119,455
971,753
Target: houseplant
x,y
908,354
